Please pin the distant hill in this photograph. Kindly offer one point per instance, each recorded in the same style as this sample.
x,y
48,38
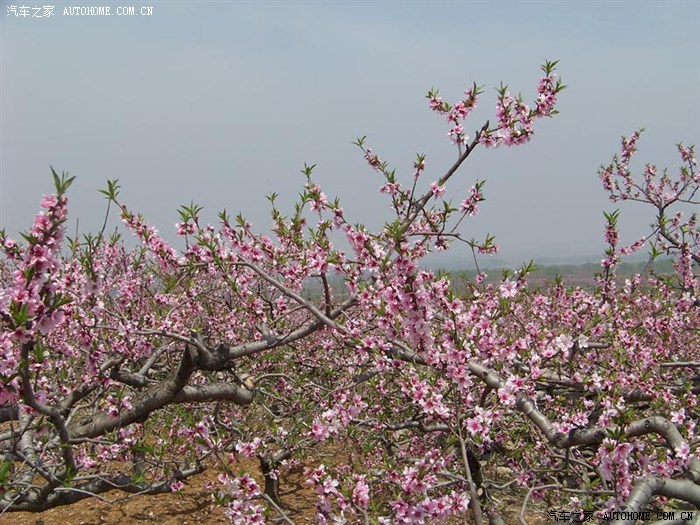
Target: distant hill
x,y
570,274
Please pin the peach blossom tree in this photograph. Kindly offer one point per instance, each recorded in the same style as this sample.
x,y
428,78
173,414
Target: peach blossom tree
x,y
135,368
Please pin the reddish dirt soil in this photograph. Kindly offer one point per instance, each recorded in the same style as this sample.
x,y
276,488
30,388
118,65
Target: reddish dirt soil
x,y
191,506
194,506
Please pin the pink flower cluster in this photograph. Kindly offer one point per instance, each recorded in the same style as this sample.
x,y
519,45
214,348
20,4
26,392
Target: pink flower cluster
x,y
515,118
241,493
455,114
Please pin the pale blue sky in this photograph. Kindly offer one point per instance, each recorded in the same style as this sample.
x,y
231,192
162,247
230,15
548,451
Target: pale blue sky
x,y
223,102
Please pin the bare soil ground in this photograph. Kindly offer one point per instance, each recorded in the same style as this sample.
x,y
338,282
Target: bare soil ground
x,y
191,506
194,506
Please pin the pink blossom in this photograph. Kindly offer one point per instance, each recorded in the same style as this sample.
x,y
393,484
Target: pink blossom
x,y
437,190
509,289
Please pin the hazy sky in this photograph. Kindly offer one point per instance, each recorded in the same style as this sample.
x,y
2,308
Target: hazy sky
x,y
223,102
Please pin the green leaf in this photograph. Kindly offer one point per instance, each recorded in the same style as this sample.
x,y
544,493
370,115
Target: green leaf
x,y
19,314
360,141
224,217
61,183
308,170
112,191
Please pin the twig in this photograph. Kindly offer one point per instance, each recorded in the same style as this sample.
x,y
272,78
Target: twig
x,y
283,515
521,516
681,364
